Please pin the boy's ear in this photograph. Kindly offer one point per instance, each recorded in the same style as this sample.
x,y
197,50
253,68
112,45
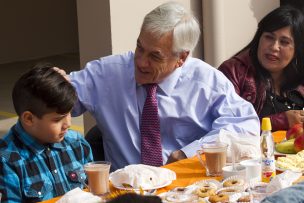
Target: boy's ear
x,y
27,118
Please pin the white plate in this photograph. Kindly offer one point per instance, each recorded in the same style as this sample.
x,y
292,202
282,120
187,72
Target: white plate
x,y
142,175
121,187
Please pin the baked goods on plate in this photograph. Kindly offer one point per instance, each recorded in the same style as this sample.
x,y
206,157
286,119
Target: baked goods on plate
x,y
140,176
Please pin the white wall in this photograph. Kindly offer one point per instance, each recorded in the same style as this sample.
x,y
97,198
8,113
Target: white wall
x,y
230,25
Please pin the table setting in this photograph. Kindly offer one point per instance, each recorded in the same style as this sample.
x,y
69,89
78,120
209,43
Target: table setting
x,y
185,181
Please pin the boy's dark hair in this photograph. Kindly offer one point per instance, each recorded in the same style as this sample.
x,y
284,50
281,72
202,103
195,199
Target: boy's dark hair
x,y
43,90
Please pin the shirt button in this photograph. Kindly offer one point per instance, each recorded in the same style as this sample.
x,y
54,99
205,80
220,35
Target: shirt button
x,y
55,171
249,98
39,193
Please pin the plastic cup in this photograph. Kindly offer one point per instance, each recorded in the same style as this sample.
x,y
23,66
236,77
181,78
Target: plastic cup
x,y
98,176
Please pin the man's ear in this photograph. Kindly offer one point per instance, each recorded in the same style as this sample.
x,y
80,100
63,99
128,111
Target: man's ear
x,y
182,58
27,118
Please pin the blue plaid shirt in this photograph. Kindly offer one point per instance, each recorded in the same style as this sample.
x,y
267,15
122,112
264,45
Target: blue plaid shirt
x,y
31,172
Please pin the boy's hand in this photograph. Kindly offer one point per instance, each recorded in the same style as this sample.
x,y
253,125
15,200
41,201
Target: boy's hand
x,y
62,72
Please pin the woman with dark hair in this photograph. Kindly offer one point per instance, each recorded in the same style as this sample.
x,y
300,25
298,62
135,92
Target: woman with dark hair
x,y
269,71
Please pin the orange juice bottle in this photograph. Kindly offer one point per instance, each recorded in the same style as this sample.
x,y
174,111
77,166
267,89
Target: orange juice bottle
x,y
267,149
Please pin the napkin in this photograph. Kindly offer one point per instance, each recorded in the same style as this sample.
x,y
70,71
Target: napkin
x,y
144,176
79,196
243,146
283,180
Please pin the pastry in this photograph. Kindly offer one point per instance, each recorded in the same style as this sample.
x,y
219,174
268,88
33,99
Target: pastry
x,y
205,192
228,190
233,182
244,199
219,198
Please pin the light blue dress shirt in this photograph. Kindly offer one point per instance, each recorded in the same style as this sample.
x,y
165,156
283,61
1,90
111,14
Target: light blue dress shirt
x,y
194,103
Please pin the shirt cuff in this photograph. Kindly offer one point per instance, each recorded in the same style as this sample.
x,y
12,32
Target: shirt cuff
x,y
190,149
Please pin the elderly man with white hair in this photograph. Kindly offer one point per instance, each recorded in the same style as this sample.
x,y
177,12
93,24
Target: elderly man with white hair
x,y
158,104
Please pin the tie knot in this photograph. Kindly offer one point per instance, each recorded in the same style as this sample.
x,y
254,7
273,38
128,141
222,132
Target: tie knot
x,y
151,89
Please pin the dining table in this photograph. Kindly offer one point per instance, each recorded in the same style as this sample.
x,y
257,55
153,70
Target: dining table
x,y
188,171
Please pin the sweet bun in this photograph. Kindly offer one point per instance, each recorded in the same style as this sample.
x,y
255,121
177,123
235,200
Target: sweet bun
x,y
208,184
219,198
233,181
205,192
244,199
228,190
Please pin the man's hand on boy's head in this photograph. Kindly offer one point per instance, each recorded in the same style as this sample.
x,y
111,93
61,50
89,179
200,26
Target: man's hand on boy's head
x,y
62,72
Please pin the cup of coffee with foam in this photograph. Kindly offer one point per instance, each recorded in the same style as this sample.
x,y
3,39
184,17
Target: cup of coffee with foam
x,y
98,176
212,156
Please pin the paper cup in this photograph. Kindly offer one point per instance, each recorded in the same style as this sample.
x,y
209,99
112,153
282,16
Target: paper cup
x,y
239,170
253,169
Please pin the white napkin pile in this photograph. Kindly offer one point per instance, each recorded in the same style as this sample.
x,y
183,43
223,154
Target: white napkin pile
x,y
283,180
140,175
244,146
79,196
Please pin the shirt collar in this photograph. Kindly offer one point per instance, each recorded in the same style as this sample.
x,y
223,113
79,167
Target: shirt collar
x,y
32,143
168,84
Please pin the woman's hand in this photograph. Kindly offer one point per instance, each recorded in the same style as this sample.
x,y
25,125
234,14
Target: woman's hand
x,y
294,117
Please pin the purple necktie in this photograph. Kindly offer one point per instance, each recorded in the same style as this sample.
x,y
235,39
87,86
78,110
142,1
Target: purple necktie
x,y
151,150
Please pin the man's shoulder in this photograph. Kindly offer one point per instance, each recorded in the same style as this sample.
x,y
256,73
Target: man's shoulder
x,y
110,64
124,58
204,75
200,70
199,66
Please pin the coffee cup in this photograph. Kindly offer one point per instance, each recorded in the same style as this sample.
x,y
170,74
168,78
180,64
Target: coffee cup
x,y
215,157
237,170
253,169
98,176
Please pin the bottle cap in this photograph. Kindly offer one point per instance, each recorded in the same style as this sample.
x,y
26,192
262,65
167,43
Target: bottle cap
x,y
266,124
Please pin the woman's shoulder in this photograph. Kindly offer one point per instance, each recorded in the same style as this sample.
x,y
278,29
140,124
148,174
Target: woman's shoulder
x,y
238,66
240,61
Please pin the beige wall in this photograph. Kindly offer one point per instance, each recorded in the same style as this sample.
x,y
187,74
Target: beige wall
x,y
94,29
230,25
32,29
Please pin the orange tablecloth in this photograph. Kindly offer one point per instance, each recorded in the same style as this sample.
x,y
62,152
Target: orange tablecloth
x,y
188,171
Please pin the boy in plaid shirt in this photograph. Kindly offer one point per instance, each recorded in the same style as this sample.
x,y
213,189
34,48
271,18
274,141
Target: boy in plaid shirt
x,y
39,157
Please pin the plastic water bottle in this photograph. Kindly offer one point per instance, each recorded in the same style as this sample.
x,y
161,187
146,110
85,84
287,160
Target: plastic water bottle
x,y
267,149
